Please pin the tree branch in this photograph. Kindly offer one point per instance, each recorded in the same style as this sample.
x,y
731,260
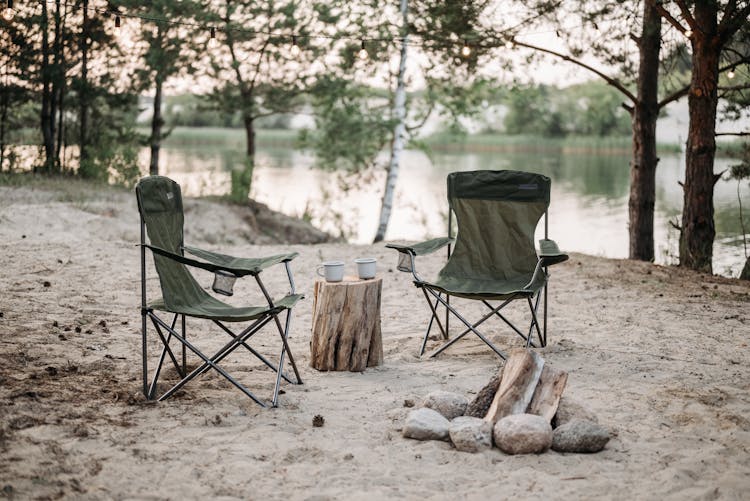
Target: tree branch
x,y
611,81
735,87
424,119
739,134
730,23
674,96
687,15
728,12
668,16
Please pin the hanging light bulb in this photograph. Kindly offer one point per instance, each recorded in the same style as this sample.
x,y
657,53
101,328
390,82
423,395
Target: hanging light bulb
x,y
295,48
8,11
688,33
730,74
509,43
466,50
212,39
362,54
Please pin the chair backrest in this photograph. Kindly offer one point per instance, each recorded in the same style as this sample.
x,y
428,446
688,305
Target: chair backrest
x,y
160,206
497,213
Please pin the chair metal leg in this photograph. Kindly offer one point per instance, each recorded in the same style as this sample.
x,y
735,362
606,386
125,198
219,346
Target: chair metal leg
x,y
212,362
284,348
534,321
144,353
546,284
165,343
237,339
466,331
255,352
446,333
429,326
467,324
164,351
508,322
184,353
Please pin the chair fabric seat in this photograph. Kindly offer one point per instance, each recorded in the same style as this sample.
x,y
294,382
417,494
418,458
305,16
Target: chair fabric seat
x,y
489,288
211,308
250,265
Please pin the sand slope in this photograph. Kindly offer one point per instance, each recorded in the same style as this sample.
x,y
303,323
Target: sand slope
x,y
659,354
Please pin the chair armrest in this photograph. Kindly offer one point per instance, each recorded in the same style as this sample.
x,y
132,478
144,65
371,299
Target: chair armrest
x,y
422,248
238,265
549,253
194,262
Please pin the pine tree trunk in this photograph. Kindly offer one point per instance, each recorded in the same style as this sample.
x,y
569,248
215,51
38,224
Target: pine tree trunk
x,y
47,116
249,123
399,110
644,116
4,105
698,231
156,125
83,154
59,83
242,181
745,273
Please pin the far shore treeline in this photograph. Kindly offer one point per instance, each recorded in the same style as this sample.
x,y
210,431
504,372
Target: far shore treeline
x,y
77,74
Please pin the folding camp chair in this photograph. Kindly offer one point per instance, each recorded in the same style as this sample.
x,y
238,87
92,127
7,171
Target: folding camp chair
x,y
494,257
160,207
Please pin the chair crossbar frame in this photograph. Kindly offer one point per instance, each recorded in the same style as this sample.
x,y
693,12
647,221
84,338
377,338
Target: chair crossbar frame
x,y
472,327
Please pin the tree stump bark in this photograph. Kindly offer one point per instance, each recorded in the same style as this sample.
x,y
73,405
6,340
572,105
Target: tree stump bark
x,y
346,325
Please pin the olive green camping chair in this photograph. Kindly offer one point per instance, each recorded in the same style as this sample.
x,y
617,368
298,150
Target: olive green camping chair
x,y
160,207
494,257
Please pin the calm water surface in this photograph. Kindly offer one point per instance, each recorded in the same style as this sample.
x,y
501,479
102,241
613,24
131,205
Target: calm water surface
x,y
588,211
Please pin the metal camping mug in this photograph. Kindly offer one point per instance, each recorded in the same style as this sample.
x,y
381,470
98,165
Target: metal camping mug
x,y
332,271
365,267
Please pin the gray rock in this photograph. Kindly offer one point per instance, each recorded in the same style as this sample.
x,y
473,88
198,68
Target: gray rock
x,y
580,436
470,434
426,424
522,434
570,410
450,405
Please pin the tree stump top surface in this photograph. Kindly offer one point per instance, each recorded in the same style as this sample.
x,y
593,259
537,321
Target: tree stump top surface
x,y
349,280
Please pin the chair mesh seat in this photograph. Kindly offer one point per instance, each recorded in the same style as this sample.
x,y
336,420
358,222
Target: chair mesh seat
x,y
212,308
474,288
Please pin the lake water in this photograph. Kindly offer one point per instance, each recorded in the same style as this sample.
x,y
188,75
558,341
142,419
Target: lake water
x,y
588,211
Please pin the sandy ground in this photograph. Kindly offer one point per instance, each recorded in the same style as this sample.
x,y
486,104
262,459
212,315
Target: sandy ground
x,y
659,354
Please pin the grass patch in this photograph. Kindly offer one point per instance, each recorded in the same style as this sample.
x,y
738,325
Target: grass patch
x,y
70,188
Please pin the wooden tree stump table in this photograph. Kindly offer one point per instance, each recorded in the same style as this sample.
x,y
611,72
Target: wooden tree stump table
x,y
346,325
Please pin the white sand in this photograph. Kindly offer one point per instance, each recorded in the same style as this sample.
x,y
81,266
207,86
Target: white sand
x,y
659,354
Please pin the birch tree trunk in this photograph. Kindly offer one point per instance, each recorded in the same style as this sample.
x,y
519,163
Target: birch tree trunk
x,y
399,110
